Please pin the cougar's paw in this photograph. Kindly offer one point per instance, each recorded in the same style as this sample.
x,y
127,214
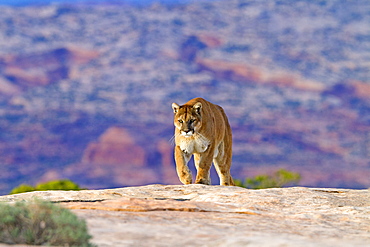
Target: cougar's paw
x,y
186,179
203,181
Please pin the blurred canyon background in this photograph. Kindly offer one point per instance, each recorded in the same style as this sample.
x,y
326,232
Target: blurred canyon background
x,y
86,88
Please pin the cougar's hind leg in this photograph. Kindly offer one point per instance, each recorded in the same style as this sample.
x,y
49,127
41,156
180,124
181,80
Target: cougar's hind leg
x,y
222,165
223,173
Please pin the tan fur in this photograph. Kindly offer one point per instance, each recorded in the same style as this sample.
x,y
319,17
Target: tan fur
x,y
202,129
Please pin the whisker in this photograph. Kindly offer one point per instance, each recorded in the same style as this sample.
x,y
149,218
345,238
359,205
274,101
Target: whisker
x,y
172,140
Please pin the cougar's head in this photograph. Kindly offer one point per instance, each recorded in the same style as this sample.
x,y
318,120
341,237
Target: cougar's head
x,y
187,118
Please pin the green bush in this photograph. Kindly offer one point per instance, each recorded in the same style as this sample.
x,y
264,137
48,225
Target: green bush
x,y
279,179
22,188
64,184
58,185
41,223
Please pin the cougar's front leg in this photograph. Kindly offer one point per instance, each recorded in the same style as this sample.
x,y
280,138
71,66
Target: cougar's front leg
x,y
182,168
203,164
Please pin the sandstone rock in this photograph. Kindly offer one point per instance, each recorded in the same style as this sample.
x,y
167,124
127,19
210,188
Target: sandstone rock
x,y
42,68
115,147
189,215
247,73
7,88
362,89
115,157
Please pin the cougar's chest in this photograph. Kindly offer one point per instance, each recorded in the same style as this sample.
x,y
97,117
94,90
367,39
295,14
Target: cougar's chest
x,y
196,144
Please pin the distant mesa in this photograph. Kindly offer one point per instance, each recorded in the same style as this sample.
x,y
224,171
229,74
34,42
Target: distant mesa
x,y
362,89
346,90
8,88
115,147
253,74
190,52
21,72
194,43
116,159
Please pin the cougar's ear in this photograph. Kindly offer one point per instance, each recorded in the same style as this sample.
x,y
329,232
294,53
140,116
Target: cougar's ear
x,y
175,107
197,106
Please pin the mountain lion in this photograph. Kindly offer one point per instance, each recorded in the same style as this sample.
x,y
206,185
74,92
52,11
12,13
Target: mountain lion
x,y
202,130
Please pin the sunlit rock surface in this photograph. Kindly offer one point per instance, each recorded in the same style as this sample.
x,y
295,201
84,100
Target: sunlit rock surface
x,y
177,215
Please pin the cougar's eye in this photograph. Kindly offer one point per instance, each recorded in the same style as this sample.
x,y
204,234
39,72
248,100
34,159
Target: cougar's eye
x,y
192,121
180,121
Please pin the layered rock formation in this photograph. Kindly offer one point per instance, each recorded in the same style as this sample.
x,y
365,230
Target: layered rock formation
x,y
115,147
117,154
20,72
191,215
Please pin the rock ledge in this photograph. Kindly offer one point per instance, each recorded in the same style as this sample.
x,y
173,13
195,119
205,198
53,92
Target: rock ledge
x,y
189,215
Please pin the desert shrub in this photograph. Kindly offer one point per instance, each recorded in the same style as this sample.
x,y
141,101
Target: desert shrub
x,y
41,223
63,184
279,179
22,188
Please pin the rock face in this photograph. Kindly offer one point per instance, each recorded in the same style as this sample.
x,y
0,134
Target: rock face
x,y
117,155
115,147
190,215
41,68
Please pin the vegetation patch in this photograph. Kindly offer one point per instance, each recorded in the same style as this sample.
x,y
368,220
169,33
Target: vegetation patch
x,y
280,178
63,184
41,223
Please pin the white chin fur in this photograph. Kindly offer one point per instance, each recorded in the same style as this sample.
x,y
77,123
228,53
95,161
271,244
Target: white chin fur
x,y
187,134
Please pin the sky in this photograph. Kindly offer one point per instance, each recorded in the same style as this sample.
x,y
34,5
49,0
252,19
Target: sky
x,y
28,2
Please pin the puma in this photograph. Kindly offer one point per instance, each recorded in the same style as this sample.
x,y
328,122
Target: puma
x,y
203,130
